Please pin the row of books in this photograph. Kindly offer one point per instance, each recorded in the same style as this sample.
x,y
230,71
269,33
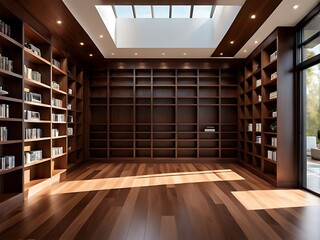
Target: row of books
x,y
70,118
56,63
5,28
31,115
258,82
33,48
32,156
55,132
274,141
210,129
258,139
56,102
4,111
258,127
30,74
273,95
32,97
7,162
32,133
70,131
57,151
273,56
55,85
58,117
3,134
6,63
69,106
272,155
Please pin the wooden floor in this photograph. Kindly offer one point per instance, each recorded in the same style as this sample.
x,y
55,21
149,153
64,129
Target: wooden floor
x,y
164,201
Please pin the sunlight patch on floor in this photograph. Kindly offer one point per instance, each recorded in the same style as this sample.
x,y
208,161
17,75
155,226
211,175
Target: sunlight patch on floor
x,y
148,180
272,199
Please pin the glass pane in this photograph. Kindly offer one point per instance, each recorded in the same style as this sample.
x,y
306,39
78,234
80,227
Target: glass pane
x,y
311,28
312,106
311,49
181,11
124,11
201,11
161,11
143,11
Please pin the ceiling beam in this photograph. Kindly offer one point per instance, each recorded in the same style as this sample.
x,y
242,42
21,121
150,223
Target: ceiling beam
x,y
243,27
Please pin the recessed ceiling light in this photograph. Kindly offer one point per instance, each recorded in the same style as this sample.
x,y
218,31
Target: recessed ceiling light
x,y
81,43
221,54
135,54
184,53
295,7
253,16
112,53
255,42
90,54
101,36
59,21
163,54
245,50
232,42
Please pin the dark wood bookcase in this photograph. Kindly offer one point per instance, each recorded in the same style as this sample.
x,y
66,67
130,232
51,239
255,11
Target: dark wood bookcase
x,y
27,178
11,180
161,114
257,106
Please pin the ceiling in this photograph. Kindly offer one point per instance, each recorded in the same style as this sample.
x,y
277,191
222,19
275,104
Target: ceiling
x,y
243,30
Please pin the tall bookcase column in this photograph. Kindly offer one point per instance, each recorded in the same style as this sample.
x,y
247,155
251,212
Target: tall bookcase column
x,y
72,111
59,101
37,111
143,113
79,115
271,101
187,113
99,115
11,110
208,114
228,113
121,113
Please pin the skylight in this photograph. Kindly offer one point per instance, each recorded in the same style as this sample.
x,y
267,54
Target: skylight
x,y
142,11
123,11
202,11
181,11
163,11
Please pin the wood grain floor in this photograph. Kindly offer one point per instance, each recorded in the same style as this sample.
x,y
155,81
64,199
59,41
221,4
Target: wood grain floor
x,y
164,201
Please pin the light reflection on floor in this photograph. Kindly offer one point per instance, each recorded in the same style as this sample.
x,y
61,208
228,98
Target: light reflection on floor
x,y
313,175
273,199
148,180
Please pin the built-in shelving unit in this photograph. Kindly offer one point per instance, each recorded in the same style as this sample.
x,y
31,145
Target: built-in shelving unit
x,y
163,114
34,82
11,81
266,101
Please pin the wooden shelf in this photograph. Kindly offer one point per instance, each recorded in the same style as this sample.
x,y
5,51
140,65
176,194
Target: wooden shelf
x,y
5,73
31,82
10,170
37,162
37,104
37,139
34,58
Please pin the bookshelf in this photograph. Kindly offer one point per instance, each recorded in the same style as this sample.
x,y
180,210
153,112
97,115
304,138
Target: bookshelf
x,y
266,141
11,105
163,114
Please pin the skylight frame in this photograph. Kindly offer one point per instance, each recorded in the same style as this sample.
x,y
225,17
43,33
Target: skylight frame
x,y
170,11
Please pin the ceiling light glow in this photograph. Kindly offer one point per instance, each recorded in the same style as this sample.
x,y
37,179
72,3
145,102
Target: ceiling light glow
x,y
59,21
221,54
232,42
81,43
101,36
295,7
90,54
255,42
253,16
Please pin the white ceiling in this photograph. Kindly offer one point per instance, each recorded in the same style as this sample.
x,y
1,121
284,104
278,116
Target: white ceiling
x,y
127,46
